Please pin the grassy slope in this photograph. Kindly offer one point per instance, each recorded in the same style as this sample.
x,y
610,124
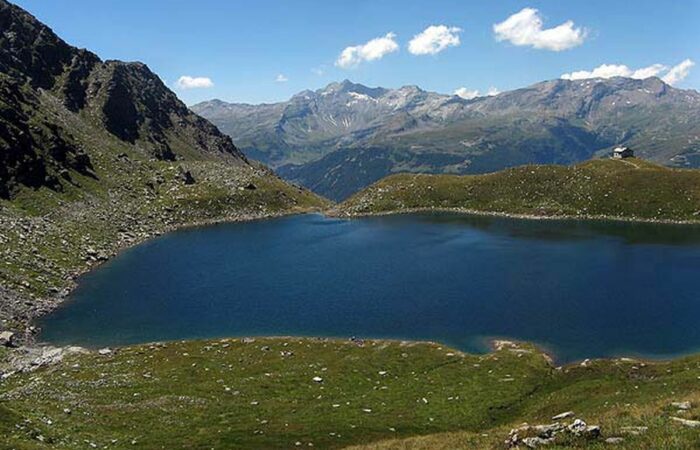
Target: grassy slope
x,y
236,394
631,189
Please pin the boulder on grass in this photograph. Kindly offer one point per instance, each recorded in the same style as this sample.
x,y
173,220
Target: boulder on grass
x,y
7,339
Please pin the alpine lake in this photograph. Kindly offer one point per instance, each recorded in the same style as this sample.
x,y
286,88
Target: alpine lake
x,y
578,289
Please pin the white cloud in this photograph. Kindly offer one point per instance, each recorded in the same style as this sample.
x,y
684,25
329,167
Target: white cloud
x,y
281,79
188,82
525,28
369,51
650,71
602,71
434,39
672,76
320,71
469,94
466,94
678,72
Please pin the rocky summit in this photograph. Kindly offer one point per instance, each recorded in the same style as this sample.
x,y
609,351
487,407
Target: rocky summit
x,y
341,138
46,84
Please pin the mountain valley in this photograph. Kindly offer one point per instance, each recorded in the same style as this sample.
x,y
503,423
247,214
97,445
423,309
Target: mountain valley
x,y
340,139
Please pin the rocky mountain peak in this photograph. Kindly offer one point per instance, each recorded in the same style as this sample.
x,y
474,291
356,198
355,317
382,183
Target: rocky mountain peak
x,y
411,88
43,78
347,131
348,87
31,50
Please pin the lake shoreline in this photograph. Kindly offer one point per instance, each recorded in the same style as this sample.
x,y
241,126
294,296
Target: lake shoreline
x,y
342,214
56,301
51,303
492,343
26,358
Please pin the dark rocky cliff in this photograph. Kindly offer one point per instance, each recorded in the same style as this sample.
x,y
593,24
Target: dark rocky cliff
x,y
37,68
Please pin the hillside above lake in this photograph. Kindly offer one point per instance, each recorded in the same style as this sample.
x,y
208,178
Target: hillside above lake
x,y
626,189
339,139
98,155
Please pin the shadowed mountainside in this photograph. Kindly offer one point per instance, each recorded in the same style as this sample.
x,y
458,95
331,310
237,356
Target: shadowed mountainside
x,y
44,83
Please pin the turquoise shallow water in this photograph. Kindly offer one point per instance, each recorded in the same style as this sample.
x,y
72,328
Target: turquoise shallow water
x,y
579,289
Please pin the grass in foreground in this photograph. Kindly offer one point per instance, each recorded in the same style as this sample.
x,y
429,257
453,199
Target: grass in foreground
x,y
629,189
235,393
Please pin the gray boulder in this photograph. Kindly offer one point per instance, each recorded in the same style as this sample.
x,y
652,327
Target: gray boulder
x,y
7,339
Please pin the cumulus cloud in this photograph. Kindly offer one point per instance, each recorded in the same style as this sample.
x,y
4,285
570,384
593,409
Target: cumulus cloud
x,y
612,70
188,82
469,94
650,71
281,78
434,39
525,28
369,51
466,94
678,72
672,76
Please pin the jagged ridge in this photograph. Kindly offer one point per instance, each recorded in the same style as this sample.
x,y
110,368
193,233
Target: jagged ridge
x,y
558,121
126,99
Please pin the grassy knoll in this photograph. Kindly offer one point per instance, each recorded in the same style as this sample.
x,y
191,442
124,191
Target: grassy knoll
x,y
629,189
235,393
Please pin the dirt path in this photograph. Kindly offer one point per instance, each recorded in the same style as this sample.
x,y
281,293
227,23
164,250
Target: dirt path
x,y
628,162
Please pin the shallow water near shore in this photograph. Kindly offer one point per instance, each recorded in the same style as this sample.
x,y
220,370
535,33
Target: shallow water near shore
x,y
581,289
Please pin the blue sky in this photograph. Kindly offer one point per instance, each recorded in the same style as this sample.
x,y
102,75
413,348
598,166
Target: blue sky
x,y
243,46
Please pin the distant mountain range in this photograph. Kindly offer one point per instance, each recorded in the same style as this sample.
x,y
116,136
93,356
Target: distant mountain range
x,y
342,138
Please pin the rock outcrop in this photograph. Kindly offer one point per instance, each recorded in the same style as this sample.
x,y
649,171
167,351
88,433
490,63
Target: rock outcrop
x,y
533,436
43,80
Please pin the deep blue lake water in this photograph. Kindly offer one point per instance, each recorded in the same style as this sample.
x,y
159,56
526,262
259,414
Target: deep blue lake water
x,y
579,289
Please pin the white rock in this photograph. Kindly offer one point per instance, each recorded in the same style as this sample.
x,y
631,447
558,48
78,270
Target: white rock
x,y
635,431
7,339
682,405
687,422
534,442
563,415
